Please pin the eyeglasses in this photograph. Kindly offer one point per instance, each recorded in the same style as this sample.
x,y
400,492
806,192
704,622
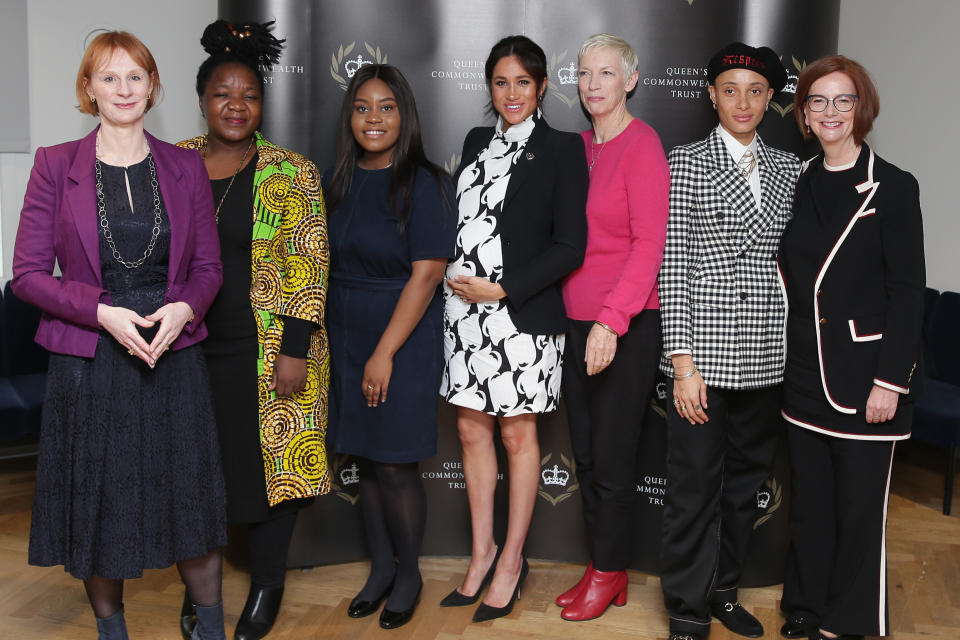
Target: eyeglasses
x,y
843,102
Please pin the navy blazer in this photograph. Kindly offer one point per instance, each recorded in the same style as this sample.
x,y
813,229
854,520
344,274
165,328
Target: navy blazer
x,y
542,224
868,295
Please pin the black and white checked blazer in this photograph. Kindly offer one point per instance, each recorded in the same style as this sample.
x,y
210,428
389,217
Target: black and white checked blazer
x,y
720,297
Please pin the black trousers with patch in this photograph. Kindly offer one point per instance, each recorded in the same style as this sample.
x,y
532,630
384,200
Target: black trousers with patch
x,y
836,571
606,413
713,473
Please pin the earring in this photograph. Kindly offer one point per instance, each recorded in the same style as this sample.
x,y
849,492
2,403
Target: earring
x,y
808,129
149,95
92,99
714,106
767,108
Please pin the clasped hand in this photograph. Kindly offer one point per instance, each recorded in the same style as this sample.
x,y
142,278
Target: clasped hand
x,y
122,323
473,289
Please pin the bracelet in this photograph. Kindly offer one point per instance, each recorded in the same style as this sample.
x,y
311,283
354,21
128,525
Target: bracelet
x,y
688,374
605,326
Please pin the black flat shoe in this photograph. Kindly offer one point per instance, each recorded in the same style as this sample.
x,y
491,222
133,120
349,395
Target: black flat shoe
x,y
797,627
485,612
363,608
188,617
457,599
393,619
259,613
737,619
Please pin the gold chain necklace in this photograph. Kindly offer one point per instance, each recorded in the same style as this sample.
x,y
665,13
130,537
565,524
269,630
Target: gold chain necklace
x,y
240,166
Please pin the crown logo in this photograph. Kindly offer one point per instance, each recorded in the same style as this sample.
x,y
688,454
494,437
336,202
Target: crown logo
x,y
568,75
352,66
763,499
791,86
350,475
555,476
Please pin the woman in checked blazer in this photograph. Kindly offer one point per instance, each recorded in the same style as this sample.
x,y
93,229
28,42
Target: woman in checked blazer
x,y
723,316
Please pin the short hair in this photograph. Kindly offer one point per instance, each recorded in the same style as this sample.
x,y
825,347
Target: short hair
x,y
97,54
628,57
531,57
868,102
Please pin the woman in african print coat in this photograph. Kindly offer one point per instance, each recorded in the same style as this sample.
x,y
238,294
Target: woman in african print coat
x,y
267,351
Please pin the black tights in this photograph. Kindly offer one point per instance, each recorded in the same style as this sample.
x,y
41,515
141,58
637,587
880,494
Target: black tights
x,y
394,507
200,575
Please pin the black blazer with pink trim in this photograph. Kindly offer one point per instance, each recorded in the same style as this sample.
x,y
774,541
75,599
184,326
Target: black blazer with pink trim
x,y
868,294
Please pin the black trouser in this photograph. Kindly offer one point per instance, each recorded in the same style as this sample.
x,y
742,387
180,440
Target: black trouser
x,y
269,544
836,570
606,413
713,473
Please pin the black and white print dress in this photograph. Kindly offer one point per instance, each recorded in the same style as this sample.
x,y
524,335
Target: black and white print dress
x,y
490,365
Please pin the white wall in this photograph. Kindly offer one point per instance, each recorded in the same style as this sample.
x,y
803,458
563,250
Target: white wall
x,y
910,50
56,31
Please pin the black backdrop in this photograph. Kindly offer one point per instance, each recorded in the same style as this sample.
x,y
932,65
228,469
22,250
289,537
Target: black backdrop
x,y
440,45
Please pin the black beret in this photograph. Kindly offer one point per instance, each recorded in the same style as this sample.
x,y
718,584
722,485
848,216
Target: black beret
x,y
737,55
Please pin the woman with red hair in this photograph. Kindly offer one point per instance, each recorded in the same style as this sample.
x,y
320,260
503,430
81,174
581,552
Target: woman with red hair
x,y
129,474
853,269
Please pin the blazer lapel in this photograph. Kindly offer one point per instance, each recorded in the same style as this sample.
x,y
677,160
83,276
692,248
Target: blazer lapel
x,y
175,199
530,157
80,195
728,180
775,186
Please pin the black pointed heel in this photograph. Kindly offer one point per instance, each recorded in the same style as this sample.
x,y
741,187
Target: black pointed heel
x,y
486,612
457,599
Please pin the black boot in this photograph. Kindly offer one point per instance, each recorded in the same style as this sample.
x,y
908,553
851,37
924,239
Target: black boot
x,y
188,618
209,623
113,627
259,613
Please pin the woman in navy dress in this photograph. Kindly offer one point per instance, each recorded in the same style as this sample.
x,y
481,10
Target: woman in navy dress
x,y
391,230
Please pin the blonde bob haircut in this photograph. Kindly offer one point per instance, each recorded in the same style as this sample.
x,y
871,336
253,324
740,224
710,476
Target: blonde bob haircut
x,y
628,57
98,53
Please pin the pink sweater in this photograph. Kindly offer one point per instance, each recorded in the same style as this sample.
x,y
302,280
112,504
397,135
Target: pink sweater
x,y
627,208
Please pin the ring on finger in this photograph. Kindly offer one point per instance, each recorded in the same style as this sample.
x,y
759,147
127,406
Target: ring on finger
x,y
676,402
697,407
683,408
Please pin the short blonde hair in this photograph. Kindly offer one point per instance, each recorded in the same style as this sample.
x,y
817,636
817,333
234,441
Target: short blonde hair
x,y
628,57
99,51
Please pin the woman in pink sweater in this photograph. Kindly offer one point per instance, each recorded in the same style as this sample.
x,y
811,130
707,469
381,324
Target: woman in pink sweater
x,y
613,339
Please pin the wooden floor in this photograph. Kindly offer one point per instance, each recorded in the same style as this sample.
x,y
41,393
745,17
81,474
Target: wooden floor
x,y
37,603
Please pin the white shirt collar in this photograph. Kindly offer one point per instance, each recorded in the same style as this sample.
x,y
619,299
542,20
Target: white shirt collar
x,y
519,131
734,148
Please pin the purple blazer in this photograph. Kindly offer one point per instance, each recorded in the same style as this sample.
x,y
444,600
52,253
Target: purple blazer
x,y
59,223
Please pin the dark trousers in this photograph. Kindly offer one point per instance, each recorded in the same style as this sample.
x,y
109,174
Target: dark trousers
x,y
269,543
606,413
836,570
713,473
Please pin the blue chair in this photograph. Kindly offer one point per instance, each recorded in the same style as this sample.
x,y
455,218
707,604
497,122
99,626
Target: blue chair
x,y
26,361
12,409
936,418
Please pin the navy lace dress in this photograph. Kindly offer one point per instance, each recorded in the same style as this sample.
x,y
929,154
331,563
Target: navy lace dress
x,y
129,474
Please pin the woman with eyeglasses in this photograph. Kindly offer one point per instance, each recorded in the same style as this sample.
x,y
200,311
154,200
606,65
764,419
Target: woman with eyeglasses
x,y
853,269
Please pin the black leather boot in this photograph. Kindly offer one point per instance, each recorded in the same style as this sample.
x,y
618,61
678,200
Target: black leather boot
x,y
188,618
259,613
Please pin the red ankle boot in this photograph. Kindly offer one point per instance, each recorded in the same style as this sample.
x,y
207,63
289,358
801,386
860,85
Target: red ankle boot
x,y
566,598
602,589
